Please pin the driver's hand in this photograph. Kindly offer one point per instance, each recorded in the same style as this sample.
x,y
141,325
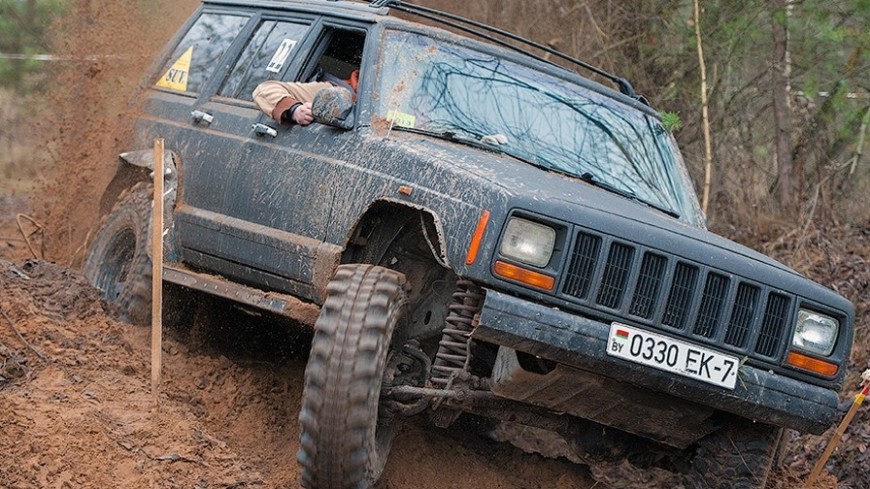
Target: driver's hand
x,y
302,115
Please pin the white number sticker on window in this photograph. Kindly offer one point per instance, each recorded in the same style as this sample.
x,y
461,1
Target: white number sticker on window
x,y
281,55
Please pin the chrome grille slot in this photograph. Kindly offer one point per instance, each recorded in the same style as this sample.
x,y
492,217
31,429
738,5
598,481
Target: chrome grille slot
x,y
712,299
615,278
582,268
680,298
742,315
649,283
773,324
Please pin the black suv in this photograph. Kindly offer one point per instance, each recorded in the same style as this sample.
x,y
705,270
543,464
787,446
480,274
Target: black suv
x,y
484,230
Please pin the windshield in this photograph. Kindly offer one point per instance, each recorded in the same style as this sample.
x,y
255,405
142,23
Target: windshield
x,y
437,87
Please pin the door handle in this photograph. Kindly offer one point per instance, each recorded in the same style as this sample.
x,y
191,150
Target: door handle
x,y
200,117
263,130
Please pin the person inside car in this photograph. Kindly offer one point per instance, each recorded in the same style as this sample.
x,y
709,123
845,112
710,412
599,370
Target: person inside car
x,y
290,102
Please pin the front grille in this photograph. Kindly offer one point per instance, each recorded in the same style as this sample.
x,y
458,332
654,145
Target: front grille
x,y
711,305
742,315
680,297
582,268
775,316
682,290
615,276
649,283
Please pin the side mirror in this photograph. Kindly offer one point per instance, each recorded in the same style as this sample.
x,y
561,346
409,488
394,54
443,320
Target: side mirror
x,y
334,107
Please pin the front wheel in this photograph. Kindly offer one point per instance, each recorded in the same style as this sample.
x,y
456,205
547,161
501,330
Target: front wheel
x,y
346,433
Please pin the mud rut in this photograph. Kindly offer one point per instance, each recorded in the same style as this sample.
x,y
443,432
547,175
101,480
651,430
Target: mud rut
x,y
75,408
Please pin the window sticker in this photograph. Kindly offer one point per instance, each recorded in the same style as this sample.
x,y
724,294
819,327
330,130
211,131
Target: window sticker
x,y
177,75
281,55
401,119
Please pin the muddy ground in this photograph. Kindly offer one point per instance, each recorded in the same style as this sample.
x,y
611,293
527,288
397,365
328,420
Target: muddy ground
x,y
76,409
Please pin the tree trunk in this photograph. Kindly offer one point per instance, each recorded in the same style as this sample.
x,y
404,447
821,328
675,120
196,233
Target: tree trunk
x,y
782,106
705,115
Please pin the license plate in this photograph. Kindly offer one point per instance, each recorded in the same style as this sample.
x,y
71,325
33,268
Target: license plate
x,y
672,355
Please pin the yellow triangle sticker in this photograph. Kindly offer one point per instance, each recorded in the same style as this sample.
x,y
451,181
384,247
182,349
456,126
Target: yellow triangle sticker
x,y
177,75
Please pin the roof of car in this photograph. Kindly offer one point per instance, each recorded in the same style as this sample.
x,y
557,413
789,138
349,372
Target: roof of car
x,y
356,6
371,10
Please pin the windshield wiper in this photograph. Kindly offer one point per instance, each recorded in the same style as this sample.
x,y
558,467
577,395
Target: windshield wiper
x,y
454,137
628,194
475,143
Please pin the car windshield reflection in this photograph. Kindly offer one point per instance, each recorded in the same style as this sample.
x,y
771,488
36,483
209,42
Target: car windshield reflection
x,y
549,122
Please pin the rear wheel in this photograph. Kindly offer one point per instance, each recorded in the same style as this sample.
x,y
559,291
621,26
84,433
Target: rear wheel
x,y
346,431
118,263
738,456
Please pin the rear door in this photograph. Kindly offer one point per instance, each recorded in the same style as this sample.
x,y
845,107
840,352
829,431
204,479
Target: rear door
x,y
186,80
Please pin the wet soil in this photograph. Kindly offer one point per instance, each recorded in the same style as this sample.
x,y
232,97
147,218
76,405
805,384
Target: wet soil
x,y
78,411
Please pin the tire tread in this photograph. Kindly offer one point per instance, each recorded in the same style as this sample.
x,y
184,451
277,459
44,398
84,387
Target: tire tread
x,y
364,306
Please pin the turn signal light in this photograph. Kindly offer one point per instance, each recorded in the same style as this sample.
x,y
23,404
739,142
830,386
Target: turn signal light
x,y
477,238
528,277
805,362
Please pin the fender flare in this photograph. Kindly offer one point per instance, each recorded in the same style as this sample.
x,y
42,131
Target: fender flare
x,y
135,166
145,159
432,231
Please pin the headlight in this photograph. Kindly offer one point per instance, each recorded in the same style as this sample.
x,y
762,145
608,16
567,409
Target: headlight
x,y
815,333
528,242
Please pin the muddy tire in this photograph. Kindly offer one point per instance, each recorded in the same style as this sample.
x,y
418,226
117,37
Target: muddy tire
x,y
738,456
118,263
345,437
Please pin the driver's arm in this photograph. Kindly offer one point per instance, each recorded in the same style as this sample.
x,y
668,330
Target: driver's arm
x,y
287,103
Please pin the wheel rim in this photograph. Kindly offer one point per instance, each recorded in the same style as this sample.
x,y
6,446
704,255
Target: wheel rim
x,y
403,367
386,416
115,264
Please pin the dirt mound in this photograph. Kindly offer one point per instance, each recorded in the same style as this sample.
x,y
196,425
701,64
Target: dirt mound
x,y
76,387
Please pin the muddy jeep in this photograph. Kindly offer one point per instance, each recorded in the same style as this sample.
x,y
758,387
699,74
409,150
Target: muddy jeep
x,y
485,231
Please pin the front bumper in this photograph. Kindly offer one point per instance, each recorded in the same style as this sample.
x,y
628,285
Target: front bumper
x,y
562,337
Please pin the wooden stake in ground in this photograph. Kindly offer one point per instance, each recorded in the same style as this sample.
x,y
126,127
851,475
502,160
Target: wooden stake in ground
x,y
859,399
157,275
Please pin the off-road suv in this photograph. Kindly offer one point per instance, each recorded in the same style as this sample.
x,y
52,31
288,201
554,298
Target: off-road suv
x,y
485,231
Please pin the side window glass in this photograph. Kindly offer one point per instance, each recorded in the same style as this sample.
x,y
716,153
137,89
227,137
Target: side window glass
x,y
196,56
266,54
